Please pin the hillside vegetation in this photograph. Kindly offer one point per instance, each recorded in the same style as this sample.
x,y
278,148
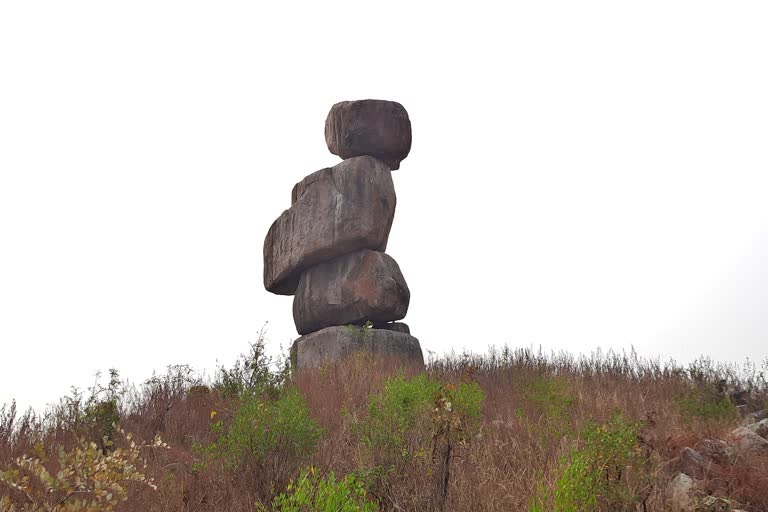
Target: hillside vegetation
x,y
510,430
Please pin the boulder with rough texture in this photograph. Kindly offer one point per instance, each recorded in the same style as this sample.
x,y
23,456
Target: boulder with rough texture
x,y
714,504
693,463
351,289
393,326
715,450
760,428
681,493
746,442
335,211
335,343
369,127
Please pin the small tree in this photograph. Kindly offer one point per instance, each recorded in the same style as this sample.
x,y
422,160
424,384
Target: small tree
x,y
86,479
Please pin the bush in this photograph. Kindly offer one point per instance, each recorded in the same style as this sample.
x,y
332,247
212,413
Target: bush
x,y
86,480
554,401
409,417
703,405
390,430
597,475
311,493
252,372
393,415
264,431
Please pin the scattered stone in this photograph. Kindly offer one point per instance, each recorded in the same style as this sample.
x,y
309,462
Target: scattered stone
x,y
335,343
369,127
393,326
754,417
760,428
715,450
714,504
693,463
351,289
746,442
337,210
681,493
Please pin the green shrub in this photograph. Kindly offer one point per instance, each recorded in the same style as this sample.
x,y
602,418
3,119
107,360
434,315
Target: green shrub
x,y
86,480
455,419
702,405
311,493
605,473
253,373
263,430
552,398
393,414
412,427
103,417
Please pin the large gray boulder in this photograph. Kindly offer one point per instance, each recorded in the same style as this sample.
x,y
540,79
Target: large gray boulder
x,y
335,211
351,289
369,127
335,343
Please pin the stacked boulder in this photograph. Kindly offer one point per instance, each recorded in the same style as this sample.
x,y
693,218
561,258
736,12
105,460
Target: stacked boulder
x,y
327,249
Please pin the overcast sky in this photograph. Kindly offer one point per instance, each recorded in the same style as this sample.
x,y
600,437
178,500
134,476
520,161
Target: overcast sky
x,y
583,174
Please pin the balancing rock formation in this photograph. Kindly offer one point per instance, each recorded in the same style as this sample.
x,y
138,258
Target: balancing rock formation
x,y
327,249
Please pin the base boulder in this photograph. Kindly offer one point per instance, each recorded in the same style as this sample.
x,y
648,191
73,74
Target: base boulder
x,y
335,343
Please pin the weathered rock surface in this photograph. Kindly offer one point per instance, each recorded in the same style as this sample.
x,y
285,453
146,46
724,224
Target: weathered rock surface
x,y
693,463
715,450
714,504
335,343
393,326
351,289
335,211
746,442
760,428
681,493
369,127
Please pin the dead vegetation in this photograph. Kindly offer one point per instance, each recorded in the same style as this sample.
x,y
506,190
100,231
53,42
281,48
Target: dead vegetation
x,y
508,430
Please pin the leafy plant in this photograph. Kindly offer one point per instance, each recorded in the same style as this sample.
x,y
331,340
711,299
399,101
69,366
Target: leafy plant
x,y
410,415
702,405
86,479
253,372
596,476
312,493
456,416
553,399
264,431
388,429
360,331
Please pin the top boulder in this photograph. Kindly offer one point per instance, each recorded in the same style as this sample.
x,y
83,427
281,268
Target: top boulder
x,y
376,128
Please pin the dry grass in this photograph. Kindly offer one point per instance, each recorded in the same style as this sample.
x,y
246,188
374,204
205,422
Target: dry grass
x,y
535,407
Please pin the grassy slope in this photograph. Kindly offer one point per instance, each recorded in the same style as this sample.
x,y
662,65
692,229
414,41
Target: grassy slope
x,y
534,412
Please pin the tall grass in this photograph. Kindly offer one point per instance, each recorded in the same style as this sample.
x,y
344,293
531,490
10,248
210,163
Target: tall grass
x,y
536,411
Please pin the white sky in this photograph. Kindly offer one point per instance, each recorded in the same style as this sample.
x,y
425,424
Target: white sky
x,y
583,174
